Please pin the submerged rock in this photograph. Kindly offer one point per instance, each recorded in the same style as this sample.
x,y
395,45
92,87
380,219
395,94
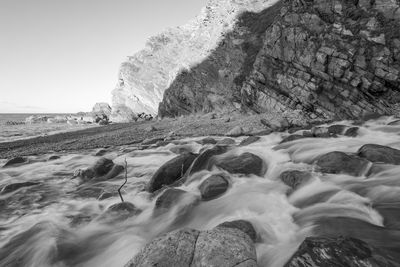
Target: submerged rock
x,y
339,162
15,161
226,142
339,251
213,187
203,161
171,171
207,140
379,153
246,163
352,132
292,137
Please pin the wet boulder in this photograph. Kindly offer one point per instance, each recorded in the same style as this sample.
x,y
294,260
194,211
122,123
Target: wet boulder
x,y
213,187
53,157
246,163
15,186
224,246
292,137
235,132
15,161
336,129
245,226
226,142
394,123
171,171
339,162
295,178
249,140
352,132
221,246
103,169
336,251
378,153
203,161
120,212
171,249
207,140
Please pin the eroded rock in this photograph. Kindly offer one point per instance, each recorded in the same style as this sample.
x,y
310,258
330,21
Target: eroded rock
x,y
213,187
379,153
340,162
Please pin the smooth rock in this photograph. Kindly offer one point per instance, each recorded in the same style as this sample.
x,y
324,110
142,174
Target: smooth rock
x,y
295,178
207,140
379,153
249,140
340,162
15,161
226,142
352,132
235,132
246,163
213,187
203,161
291,138
171,171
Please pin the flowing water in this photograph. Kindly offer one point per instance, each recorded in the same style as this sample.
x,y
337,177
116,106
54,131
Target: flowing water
x,y
53,223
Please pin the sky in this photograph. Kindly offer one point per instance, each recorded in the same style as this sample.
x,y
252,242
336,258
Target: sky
x,y
63,56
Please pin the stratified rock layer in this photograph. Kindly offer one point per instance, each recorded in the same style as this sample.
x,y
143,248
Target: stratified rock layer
x,y
322,58
144,77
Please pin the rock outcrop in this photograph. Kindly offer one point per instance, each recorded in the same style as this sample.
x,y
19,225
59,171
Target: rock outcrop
x,y
324,59
144,77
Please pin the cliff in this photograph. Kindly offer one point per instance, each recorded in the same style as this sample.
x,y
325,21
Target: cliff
x,y
325,59
145,76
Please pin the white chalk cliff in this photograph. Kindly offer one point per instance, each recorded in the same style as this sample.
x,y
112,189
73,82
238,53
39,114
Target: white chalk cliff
x,y
145,76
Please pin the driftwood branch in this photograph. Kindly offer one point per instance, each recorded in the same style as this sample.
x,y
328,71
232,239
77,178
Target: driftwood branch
x,y
126,180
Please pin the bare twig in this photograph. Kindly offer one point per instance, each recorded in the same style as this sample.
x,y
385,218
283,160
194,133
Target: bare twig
x,y
126,180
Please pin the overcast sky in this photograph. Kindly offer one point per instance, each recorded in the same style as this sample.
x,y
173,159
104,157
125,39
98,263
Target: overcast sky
x,y
64,55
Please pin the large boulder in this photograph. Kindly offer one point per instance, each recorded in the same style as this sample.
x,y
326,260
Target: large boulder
x,y
119,212
245,226
246,163
339,162
203,161
172,249
221,246
338,252
122,114
171,171
213,187
378,153
103,169
295,178
102,108
224,246
15,161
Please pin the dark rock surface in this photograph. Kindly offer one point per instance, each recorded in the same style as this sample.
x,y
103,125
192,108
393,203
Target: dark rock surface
x,y
103,169
15,161
171,171
352,132
295,178
249,140
340,162
381,154
324,59
202,162
246,163
213,187
336,252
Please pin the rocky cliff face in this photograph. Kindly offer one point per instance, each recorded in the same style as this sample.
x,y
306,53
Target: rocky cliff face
x,y
323,58
145,76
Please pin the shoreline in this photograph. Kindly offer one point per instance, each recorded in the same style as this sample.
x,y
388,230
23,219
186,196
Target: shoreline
x,y
119,134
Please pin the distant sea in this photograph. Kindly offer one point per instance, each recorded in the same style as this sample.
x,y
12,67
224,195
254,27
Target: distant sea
x,y
17,132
